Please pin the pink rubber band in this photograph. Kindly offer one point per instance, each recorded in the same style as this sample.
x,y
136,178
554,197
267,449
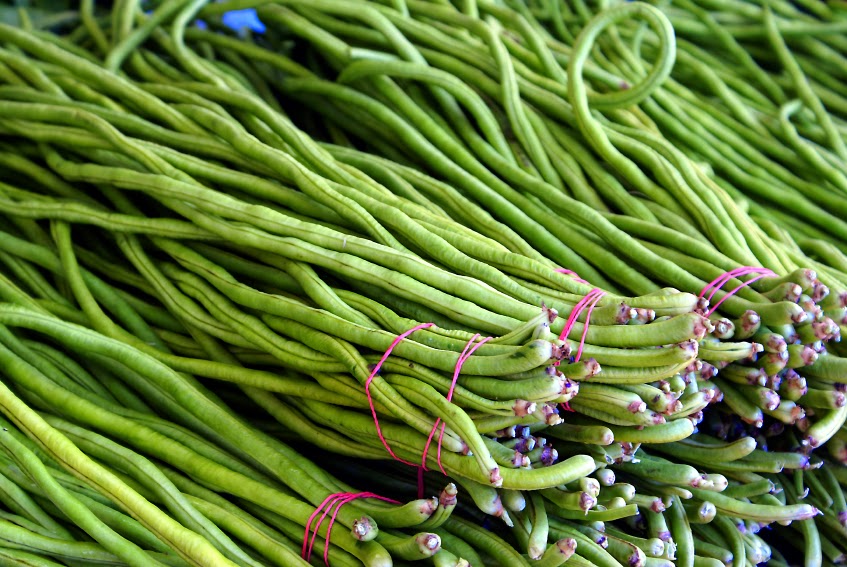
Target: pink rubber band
x,y
374,373
722,279
597,298
734,291
338,500
592,298
719,282
469,349
307,544
421,479
737,273
576,277
578,308
456,372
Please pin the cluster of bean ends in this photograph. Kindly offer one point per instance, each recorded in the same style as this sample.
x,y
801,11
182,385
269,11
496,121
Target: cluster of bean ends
x,y
466,282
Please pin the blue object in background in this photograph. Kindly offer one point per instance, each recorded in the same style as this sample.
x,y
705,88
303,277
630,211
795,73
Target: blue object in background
x,y
240,19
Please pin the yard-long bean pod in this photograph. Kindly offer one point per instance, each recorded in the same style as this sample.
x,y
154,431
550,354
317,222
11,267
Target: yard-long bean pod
x,y
106,481
480,153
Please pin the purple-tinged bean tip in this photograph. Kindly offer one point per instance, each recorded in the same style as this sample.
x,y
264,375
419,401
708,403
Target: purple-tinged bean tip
x,y
525,445
518,459
708,371
566,546
637,406
770,399
560,351
750,321
842,518
550,312
808,355
690,347
798,413
592,367
673,407
658,506
569,388
819,291
549,455
449,495
773,381
506,432
702,327
494,477
586,502
723,328
362,528
643,315
524,407
427,507
776,343
430,542
551,414
624,314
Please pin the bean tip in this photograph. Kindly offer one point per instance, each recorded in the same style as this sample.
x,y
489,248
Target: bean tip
x,y
494,477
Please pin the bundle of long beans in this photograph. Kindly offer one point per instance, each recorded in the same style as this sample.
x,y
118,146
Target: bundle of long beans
x,y
486,238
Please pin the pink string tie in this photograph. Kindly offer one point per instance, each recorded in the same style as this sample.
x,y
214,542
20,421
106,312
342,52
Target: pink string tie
x,y
589,302
338,500
469,349
576,277
719,282
374,372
